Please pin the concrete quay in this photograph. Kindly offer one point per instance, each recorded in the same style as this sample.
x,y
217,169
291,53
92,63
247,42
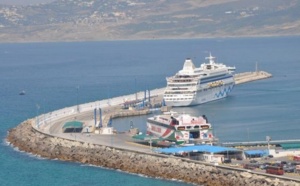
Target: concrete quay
x,y
84,111
251,76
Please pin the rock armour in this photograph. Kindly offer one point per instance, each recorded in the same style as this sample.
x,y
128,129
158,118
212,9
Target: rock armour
x,y
29,140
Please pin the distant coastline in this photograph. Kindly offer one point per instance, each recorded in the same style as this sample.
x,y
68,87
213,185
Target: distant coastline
x,y
74,21
52,40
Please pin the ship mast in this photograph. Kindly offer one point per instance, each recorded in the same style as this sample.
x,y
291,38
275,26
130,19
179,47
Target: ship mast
x,y
211,59
256,68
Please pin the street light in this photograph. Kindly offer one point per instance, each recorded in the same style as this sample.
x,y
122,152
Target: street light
x,y
77,98
150,143
135,88
112,139
131,124
50,117
248,134
37,116
44,111
268,139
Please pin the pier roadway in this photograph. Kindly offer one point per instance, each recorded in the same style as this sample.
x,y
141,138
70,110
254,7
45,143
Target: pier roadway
x,y
122,140
51,123
251,76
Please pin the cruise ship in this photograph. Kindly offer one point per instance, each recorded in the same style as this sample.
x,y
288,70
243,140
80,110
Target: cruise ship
x,y
180,128
192,86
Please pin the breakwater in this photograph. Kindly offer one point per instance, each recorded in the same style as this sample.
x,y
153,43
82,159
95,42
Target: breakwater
x,y
30,140
246,77
38,136
118,113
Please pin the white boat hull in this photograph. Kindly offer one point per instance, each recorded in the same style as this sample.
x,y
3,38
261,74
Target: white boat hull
x,y
193,86
202,96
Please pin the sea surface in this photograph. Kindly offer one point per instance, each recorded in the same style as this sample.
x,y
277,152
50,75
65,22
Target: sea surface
x,y
58,75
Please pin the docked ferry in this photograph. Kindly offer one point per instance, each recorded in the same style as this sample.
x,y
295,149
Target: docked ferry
x,y
180,128
192,86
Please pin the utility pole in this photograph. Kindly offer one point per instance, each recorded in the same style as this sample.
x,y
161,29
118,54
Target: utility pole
x,y
135,88
77,98
37,116
248,134
268,138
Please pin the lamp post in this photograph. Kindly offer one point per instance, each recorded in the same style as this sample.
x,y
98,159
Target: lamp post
x,y
44,111
150,143
135,88
248,135
50,117
112,139
37,116
268,139
77,92
131,124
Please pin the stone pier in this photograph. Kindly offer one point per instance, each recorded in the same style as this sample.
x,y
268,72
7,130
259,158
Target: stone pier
x,y
30,140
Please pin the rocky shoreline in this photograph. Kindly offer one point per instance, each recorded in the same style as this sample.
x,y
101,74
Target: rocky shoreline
x,y
27,139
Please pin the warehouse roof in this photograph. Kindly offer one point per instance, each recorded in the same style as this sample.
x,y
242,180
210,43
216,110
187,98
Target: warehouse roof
x,y
197,148
72,126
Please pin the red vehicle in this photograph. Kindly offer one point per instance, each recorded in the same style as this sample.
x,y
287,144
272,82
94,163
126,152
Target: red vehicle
x,y
296,158
251,166
275,170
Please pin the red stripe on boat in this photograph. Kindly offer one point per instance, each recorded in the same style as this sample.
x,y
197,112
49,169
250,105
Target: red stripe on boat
x,y
168,131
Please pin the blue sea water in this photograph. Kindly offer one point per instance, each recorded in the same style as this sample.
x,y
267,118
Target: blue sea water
x,y
57,75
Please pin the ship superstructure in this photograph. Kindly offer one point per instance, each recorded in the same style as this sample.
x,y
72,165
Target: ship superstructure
x,y
180,128
192,86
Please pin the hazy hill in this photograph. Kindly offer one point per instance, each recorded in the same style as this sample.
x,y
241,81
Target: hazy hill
x,y
74,20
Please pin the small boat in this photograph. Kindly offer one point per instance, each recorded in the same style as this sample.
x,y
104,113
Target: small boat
x,y
22,93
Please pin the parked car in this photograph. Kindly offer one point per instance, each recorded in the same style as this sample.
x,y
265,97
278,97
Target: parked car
x,y
275,170
239,158
253,161
283,162
264,166
296,158
227,160
289,168
251,166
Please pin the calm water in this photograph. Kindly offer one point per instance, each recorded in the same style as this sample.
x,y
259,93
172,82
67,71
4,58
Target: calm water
x,y
57,75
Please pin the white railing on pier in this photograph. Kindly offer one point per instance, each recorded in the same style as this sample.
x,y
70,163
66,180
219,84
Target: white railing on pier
x,y
43,121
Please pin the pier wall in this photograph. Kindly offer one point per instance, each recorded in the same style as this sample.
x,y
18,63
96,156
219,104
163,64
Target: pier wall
x,y
43,121
246,77
155,165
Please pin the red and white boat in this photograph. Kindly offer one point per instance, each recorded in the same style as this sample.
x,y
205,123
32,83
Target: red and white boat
x,y
180,128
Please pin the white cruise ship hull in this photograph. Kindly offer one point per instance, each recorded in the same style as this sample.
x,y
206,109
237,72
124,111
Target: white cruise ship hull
x,y
193,86
203,96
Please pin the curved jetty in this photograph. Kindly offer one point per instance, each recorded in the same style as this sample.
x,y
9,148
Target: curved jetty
x,y
27,139
43,136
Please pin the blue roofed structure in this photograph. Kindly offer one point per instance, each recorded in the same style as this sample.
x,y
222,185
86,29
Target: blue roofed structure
x,y
207,153
256,153
197,148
